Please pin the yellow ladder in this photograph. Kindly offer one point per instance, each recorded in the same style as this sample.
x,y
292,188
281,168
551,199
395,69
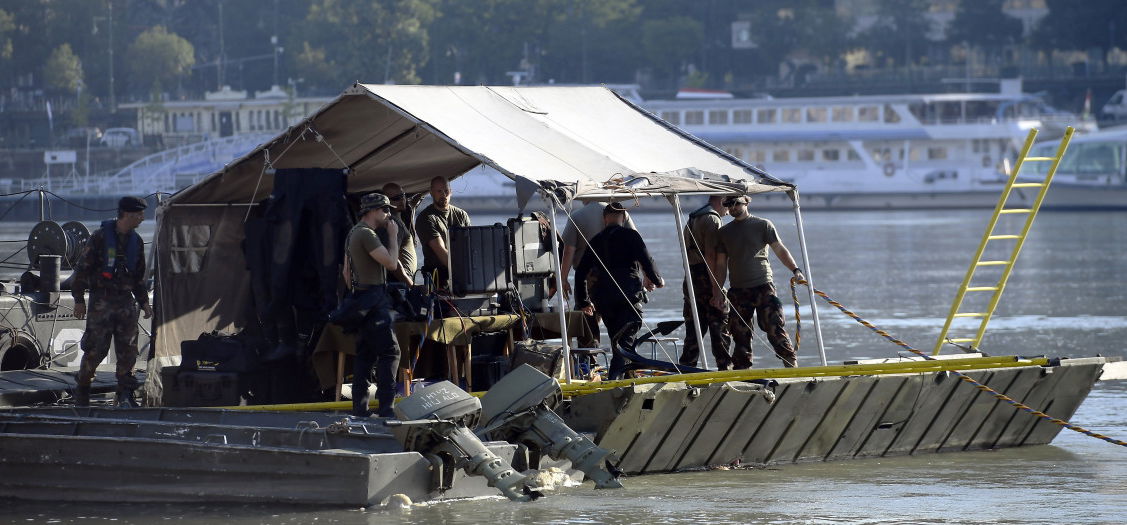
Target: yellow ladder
x,y
990,235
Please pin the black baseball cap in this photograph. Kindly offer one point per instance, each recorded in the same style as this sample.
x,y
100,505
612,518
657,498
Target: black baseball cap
x,y
614,207
132,204
731,201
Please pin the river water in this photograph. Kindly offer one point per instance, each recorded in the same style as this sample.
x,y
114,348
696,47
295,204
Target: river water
x,y
900,271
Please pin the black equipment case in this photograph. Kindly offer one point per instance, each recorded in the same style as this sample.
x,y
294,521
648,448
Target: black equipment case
x,y
480,259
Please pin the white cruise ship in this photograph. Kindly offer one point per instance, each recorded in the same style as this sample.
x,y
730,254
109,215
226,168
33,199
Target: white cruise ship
x,y
902,151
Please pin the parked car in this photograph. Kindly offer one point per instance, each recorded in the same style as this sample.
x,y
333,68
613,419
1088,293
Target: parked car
x,y
77,137
121,138
1116,106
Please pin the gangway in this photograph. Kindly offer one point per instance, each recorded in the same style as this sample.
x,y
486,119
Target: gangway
x,y
1007,265
165,171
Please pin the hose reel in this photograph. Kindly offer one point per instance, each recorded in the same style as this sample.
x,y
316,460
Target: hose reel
x,y
66,241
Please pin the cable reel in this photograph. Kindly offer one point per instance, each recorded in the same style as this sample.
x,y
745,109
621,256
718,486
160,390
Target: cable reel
x,y
66,241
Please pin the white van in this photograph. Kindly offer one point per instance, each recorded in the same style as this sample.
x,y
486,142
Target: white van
x,y
1116,106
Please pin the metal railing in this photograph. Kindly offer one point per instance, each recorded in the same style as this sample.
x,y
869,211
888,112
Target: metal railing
x,y
166,171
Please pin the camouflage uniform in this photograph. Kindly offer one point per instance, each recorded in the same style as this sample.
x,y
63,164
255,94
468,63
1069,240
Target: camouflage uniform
x,y
759,303
715,319
116,299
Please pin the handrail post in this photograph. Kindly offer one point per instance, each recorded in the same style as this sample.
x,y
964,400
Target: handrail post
x,y
42,205
676,201
809,279
561,305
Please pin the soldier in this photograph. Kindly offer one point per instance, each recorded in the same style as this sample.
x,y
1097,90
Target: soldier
x,y
112,267
367,262
701,235
618,259
401,214
584,223
743,248
433,226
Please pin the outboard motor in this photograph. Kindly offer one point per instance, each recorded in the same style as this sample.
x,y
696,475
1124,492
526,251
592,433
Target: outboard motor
x,y
519,409
436,420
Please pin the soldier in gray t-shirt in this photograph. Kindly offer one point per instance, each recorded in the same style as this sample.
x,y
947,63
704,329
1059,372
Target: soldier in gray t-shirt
x,y
742,252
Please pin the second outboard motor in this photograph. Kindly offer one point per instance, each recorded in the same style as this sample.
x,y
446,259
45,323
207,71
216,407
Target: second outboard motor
x,y
436,420
519,409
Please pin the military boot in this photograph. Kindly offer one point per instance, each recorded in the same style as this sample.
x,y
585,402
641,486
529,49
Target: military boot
x,y
82,396
123,396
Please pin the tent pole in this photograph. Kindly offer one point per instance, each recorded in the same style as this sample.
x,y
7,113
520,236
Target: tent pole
x,y
561,306
676,200
809,276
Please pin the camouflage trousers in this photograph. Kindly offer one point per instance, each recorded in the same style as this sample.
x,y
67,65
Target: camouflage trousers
x,y
761,304
715,324
110,315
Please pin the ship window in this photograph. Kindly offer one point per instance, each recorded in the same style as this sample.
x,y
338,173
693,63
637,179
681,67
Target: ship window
x,y
831,155
890,115
672,117
843,114
868,114
816,114
741,116
792,115
780,155
213,128
852,155
805,155
717,117
188,247
694,118
734,151
936,153
765,116
757,156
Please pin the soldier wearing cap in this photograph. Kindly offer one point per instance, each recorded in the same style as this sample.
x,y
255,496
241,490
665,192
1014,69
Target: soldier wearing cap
x,y
742,249
112,267
702,232
401,214
367,262
616,261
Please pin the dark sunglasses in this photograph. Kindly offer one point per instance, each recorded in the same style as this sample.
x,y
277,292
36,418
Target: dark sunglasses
x,y
396,197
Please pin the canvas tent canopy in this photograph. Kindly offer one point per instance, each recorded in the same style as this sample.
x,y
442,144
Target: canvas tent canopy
x,y
574,142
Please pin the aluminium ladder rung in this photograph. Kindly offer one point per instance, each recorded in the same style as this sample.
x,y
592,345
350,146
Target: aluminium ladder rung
x,y
982,289
991,263
1040,159
1015,210
1028,185
996,237
971,314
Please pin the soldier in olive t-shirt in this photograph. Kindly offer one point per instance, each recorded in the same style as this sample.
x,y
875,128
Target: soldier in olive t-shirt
x,y
702,234
362,240
433,226
742,253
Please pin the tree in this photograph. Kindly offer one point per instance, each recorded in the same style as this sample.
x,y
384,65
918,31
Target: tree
x,y
1073,25
371,40
158,57
982,23
7,27
670,43
63,70
900,33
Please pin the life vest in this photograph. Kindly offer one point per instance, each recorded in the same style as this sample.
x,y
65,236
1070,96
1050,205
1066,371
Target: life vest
x,y
132,249
703,211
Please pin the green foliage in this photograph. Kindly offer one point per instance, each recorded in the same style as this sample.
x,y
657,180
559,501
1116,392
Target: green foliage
x,y
157,57
371,41
982,23
1073,25
7,27
900,33
63,70
671,42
